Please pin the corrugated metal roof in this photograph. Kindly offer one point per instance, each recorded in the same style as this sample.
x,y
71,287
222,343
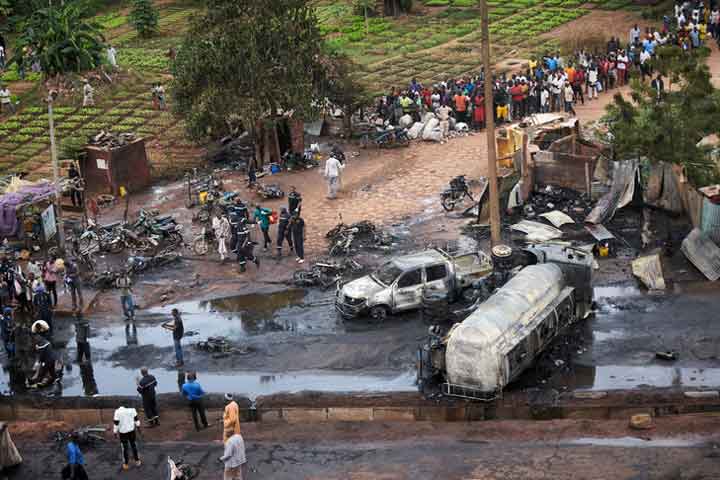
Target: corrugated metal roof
x,y
536,231
557,218
621,193
649,270
599,232
710,223
703,253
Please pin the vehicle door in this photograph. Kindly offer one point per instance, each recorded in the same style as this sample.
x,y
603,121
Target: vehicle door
x,y
408,289
437,279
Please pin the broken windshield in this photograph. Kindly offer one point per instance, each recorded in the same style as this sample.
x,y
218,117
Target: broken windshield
x,y
387,274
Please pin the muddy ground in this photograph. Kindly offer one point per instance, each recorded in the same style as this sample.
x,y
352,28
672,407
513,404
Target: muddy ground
x,y
677,448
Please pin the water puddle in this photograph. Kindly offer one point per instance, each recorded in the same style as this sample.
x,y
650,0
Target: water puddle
x,y
616,291
601,336
106,378
621,377
632,442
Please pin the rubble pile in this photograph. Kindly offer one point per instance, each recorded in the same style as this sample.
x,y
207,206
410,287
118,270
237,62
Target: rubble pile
x,y
219,347
345,239
109,140
551,198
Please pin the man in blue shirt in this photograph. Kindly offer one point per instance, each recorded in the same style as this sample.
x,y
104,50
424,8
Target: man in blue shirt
x,y
75,469
194,393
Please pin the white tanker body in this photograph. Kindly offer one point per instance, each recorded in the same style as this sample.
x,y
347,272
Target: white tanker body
x,y
504,335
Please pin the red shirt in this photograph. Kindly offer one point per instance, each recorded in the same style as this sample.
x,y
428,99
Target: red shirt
x,y
516,93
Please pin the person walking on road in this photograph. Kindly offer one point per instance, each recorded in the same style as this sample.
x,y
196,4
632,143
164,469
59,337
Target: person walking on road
x,y
124,283
6,99
72,282
294,201
262,218
297,228
75,468
333,167
125,421
194,393
283,232
234,458
178,330
146,389
43,305
82,334
245,246
231,418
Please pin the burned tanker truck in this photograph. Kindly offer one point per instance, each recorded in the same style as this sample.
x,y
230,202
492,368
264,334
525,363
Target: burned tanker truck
x,y
536,293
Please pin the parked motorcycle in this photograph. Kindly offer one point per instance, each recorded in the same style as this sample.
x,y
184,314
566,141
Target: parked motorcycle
x,y
387,138
455,194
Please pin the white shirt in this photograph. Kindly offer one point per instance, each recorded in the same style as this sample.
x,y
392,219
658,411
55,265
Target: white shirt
x,y
2,51
88,90
644,56
125,420
569,95
333,167
544,96
4,95
112,56
634,34
592,76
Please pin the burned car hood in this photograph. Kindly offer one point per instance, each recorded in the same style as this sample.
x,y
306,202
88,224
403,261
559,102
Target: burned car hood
x,y
363,287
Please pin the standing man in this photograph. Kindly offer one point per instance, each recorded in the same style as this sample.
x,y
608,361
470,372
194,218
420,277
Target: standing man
x,y
124,283
7,329
194,393
112,56
43,305
50,272
125,421
223,236
76,186
244,246
178,330
297,228
283,232
569,95
88,92
443,114
75,469
333,167
72,282
294,201
262,218
82,332
5,100
146,389
231,418
234,458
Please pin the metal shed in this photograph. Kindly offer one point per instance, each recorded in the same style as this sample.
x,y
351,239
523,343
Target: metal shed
x,y
105,169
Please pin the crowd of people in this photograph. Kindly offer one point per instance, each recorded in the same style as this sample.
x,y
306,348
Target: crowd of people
x,y
554,83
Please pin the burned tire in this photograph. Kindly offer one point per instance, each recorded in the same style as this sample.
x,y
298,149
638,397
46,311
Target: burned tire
x,y
448,203
379,313
200,246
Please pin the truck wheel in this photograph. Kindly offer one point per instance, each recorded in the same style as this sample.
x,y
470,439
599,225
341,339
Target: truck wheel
x,y
378,313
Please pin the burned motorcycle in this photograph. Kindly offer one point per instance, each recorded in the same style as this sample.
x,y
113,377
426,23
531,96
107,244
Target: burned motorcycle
x,y
455,194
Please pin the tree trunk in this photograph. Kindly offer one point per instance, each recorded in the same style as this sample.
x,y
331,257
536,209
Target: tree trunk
x,y
266,145
257,136
276,144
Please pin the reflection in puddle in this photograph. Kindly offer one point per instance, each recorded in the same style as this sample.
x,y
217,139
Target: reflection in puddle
x,y
632,442
614,291
105,378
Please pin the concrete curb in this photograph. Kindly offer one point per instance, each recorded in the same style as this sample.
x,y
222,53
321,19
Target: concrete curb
x,y
323,407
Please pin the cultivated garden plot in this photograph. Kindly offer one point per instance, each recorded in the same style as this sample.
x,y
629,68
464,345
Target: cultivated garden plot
x,y
441,39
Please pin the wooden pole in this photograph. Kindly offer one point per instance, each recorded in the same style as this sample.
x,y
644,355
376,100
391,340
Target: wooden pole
x,y
56,175
490,125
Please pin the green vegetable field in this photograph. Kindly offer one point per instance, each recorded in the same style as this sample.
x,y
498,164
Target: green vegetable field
x,y
438,40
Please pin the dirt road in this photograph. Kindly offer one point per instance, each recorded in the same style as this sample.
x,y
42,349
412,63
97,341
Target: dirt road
x,y
678,448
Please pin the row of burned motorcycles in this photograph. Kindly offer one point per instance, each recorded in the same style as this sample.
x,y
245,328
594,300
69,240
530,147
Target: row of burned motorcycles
x,y
152,241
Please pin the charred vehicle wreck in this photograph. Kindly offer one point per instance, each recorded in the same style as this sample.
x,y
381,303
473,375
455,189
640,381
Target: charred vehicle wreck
x,y
534,295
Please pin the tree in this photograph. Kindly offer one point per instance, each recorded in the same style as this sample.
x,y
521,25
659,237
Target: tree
x,y
341,85
249,59
144,17
668,129
60,39
395,7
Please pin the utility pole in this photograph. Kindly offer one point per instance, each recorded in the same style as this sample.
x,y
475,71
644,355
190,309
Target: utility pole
x,y
56,174
490,124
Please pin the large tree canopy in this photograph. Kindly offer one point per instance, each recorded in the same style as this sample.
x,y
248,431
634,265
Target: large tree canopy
x,y
60,39
668,129
249,59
